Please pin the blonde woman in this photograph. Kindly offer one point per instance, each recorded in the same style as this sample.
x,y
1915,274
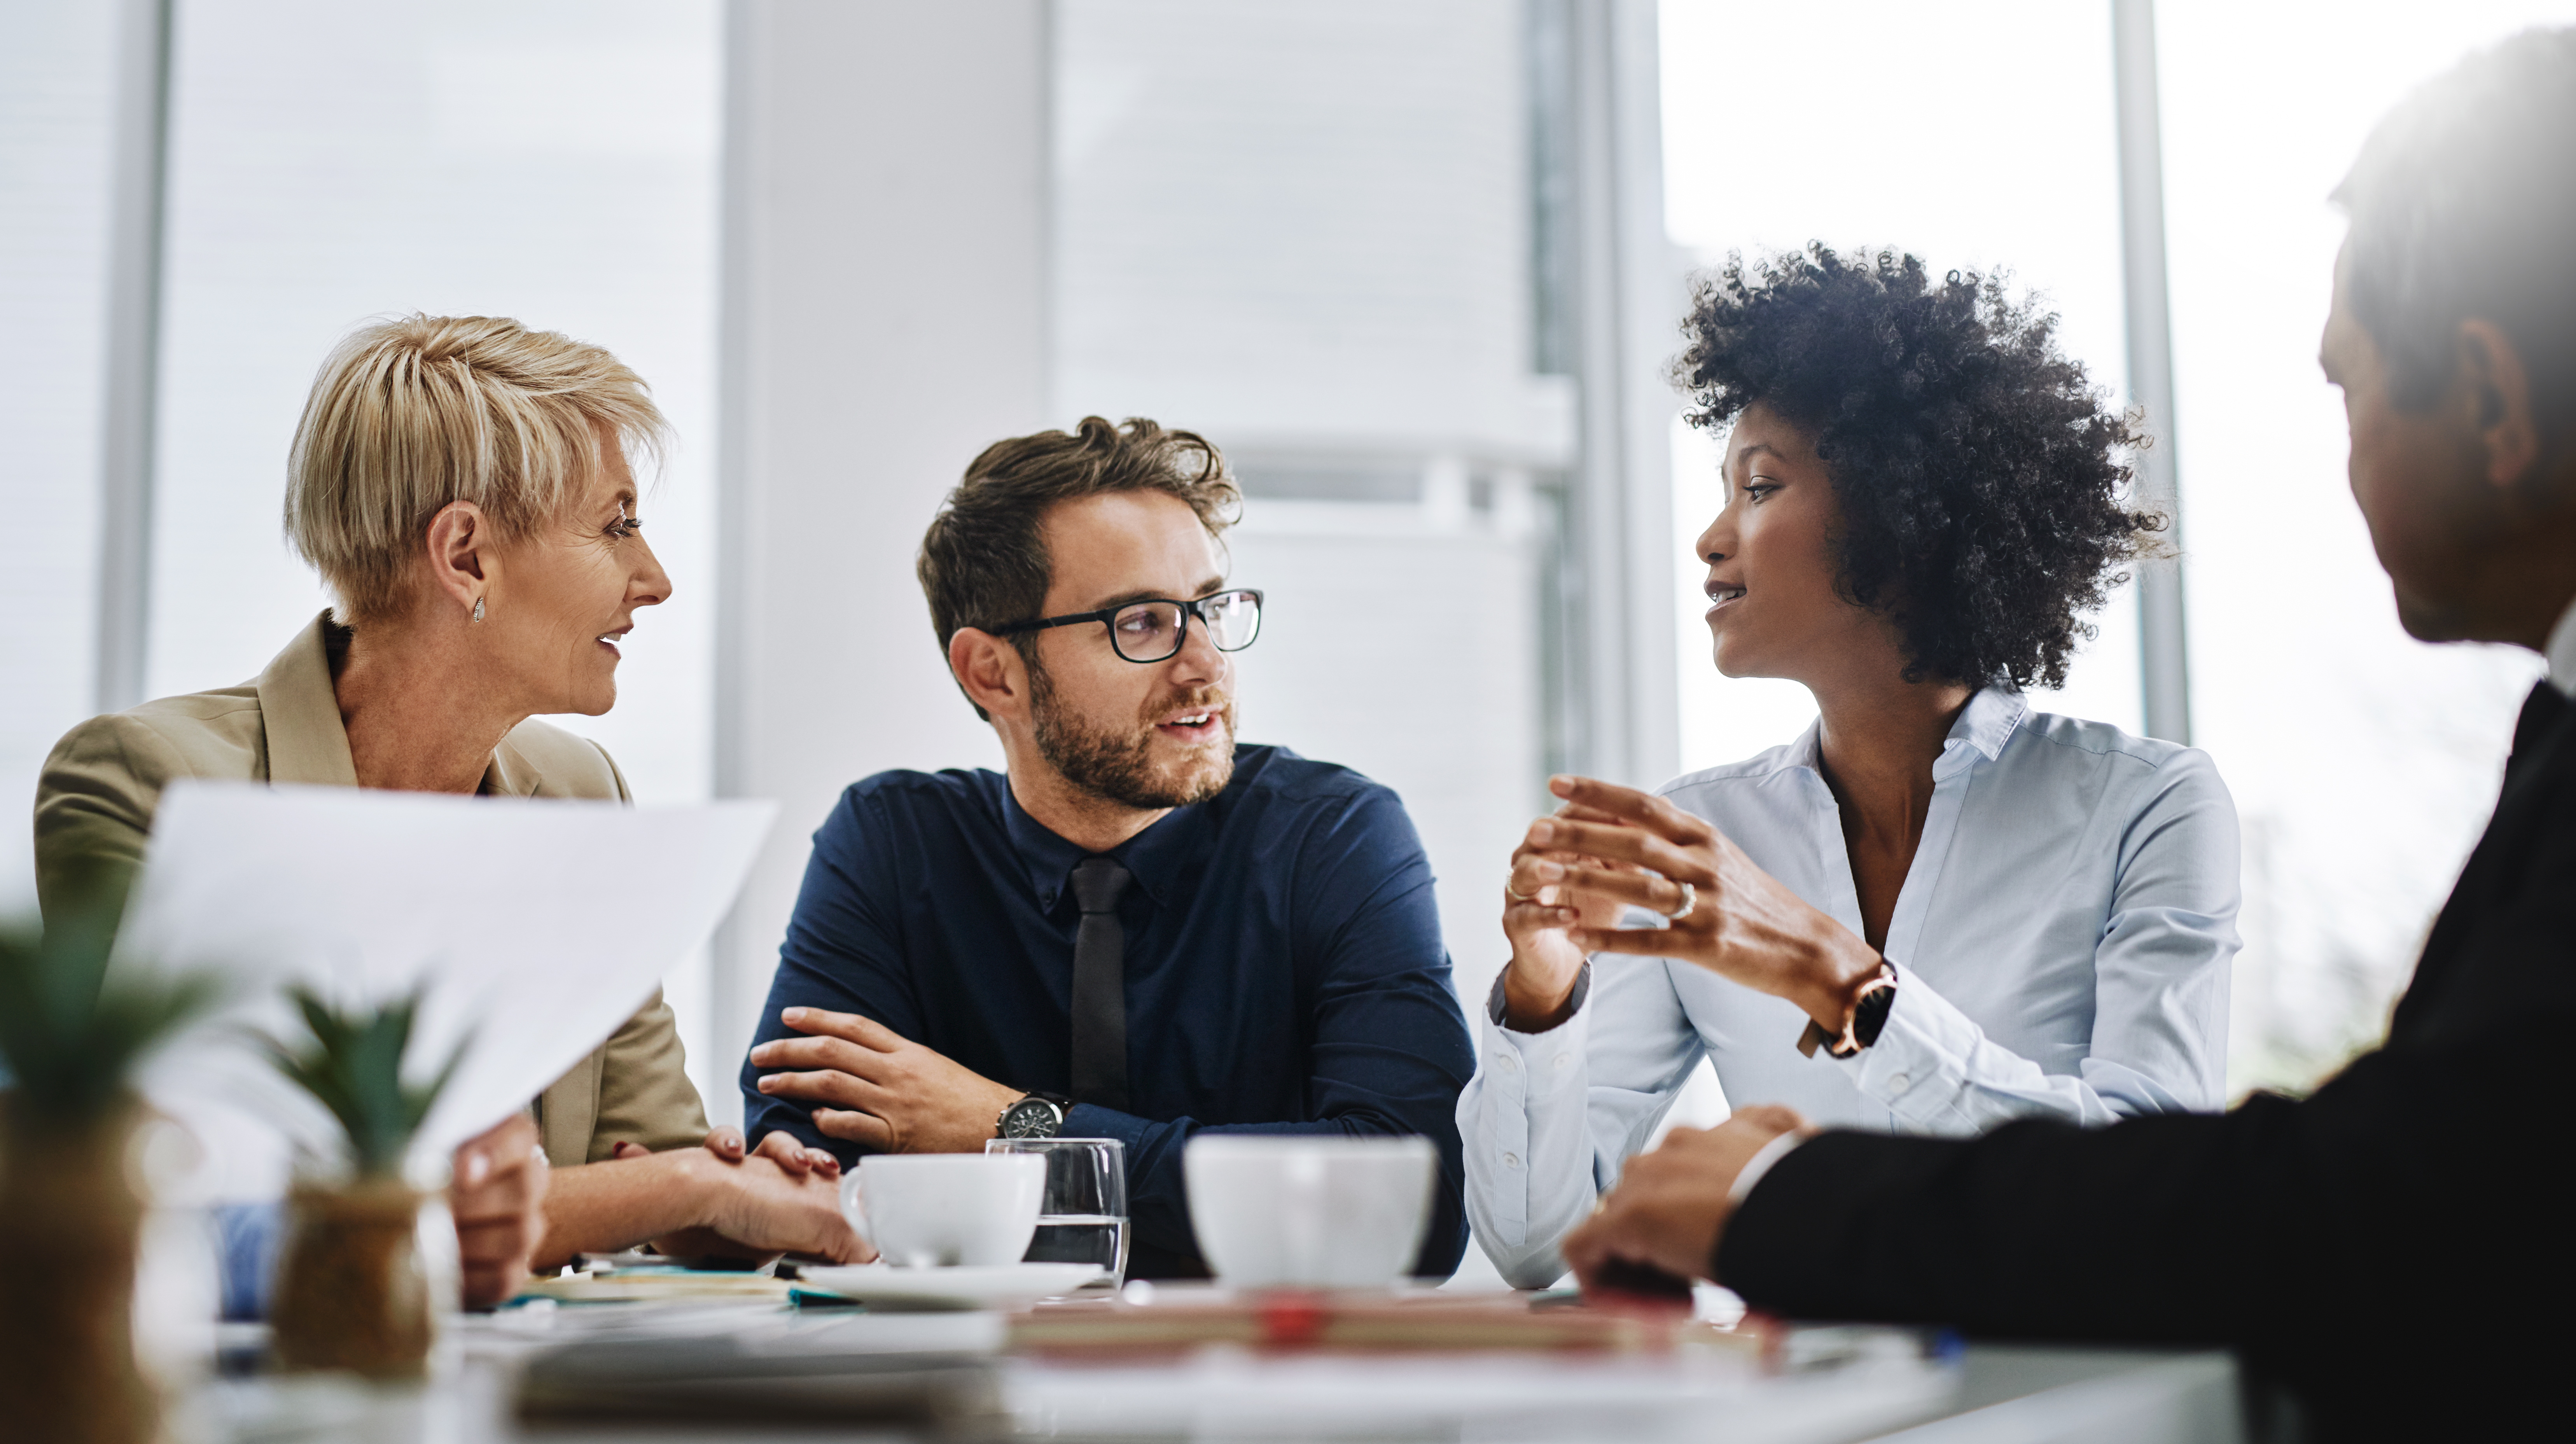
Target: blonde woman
x,y
463,486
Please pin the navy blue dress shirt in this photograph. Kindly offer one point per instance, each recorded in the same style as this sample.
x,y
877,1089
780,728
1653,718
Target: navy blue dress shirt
x,y
1283,965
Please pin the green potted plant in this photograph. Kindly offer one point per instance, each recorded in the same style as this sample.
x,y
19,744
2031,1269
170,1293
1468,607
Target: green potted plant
x,y
70,1211
355,1289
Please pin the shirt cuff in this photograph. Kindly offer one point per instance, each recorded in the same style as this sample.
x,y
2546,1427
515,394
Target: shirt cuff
x,y
1090,1120
1573,1003
1925,1043
1760,1164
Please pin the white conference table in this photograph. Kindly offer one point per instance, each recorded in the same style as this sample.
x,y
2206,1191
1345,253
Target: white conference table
x,y
1852,1385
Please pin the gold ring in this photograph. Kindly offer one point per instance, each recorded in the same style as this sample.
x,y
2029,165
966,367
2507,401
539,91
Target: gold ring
x,y
1516,897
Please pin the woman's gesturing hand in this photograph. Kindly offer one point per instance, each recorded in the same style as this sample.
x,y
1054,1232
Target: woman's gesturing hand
x,y
1624,846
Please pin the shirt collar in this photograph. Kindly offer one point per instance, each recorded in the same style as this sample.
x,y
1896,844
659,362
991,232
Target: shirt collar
x,y
2561,651
1156,858
1987,722
1985,725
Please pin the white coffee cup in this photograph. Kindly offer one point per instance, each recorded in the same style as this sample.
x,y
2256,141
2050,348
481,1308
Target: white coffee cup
x,y
932,1209
1303,1212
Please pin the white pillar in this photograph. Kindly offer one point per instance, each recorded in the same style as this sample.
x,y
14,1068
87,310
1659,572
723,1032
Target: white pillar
x,y
131,411
885,239
1628,306
2164,653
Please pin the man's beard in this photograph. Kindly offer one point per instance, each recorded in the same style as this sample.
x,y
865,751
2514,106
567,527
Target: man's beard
x,y
1117,766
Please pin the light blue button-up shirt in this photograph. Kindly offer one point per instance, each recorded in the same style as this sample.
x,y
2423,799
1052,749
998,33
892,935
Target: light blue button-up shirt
x,y
2062,941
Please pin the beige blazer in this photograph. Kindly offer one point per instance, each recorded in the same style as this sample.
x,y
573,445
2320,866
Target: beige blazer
x,y
94,809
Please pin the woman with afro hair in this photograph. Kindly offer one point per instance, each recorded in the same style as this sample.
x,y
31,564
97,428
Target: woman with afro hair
x,y
1938,910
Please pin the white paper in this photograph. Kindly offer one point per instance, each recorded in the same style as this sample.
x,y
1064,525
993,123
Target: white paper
x,y
538,927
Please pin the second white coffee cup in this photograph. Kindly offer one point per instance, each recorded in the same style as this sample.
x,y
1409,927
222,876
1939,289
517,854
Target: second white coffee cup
x,y
1298,1211
927,1210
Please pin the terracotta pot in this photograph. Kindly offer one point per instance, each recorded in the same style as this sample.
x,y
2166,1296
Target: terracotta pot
x,y
70,1221
353,1290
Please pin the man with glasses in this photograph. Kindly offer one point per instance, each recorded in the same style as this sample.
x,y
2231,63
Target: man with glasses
x,y
1143,929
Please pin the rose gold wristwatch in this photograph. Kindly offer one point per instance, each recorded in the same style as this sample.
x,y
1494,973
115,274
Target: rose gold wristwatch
x,y
1868,1018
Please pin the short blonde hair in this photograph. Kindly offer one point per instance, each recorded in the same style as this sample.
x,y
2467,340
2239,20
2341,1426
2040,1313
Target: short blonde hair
x,y
407,416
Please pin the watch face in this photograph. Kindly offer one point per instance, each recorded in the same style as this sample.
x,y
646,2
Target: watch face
x,y
1031,1118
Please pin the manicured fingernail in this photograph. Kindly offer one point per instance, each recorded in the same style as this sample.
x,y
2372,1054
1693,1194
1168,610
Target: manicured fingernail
x,y
792,1015
765,1082
1542,832
1562,784
477,1168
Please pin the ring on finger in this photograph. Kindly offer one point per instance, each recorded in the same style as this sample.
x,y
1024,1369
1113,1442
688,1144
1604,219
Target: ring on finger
x,y
1690,899
1516,896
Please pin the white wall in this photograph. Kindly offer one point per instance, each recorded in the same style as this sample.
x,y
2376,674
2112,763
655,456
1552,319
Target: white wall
x,y
1299,224
56,112
884,279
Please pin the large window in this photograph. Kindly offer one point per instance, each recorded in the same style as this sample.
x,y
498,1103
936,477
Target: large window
x,y
2363,763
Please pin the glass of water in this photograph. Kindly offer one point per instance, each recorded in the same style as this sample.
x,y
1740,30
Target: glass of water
x,y
1083,1218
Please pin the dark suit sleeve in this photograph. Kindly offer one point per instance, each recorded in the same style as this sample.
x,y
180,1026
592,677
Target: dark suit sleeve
x,y
2353,1237
842,952
1389,1054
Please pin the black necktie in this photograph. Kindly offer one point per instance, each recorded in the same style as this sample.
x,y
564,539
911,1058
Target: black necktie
x,y
1100,986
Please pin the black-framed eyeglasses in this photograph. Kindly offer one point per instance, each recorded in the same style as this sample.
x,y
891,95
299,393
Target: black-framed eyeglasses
x,y
1154,629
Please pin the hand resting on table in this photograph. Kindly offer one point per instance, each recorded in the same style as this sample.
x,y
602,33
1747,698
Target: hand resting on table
x,y
1671,1205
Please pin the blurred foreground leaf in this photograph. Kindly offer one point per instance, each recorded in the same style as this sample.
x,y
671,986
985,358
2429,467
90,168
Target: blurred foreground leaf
x,y
353,1064
70,1036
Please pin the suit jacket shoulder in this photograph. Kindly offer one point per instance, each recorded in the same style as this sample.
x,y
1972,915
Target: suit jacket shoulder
x,y
102,784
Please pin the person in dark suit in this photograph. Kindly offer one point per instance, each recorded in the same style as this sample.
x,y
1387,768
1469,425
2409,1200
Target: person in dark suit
x,y
2387,1247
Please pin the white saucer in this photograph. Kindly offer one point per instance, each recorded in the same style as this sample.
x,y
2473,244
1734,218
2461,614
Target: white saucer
x,y
997,1286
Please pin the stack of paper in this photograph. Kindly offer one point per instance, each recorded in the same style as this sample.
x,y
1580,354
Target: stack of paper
x,y
537,927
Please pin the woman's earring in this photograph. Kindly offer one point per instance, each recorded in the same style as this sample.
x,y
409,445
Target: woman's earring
x,y
478,609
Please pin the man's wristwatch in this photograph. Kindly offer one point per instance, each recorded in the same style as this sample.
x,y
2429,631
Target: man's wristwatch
x,y
1036,1115
1868,1018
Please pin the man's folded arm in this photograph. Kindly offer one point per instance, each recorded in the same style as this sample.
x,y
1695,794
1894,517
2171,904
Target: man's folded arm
x,y
840,954
1391,1052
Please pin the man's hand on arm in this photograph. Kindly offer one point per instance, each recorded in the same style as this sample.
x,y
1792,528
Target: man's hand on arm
x,y
873,1086
497,1199
1671,1205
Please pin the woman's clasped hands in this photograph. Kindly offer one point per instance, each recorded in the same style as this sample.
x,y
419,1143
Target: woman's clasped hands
x,y
781,1197
1608,848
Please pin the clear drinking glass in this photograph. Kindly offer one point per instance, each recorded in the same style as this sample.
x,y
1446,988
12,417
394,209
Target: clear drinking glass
x,y
1083,1218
